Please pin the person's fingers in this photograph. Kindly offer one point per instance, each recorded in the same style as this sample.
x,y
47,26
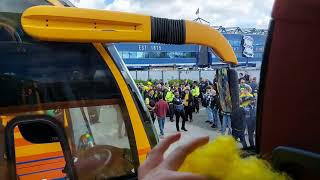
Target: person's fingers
x,y
176,158
184,176
161,148
155,157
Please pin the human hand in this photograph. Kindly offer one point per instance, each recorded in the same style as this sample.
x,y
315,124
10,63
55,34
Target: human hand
x,y
156,167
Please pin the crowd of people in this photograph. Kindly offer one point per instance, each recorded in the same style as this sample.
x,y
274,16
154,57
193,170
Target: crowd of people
x,y
183,100
175,100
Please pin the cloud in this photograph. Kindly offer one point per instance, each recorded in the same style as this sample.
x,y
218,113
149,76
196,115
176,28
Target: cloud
x,y
242,13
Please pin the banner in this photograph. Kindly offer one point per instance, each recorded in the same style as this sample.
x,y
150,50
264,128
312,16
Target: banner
x,y
248,46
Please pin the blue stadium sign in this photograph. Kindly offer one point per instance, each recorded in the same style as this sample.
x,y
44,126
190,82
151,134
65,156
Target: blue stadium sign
x,y
248,46
144,47
153,47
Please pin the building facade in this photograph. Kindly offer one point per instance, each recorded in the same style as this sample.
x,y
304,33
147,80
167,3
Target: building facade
x,y
248,46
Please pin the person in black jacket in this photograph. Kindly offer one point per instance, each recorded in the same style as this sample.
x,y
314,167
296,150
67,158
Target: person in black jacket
x,y
151,102
251,122
238,117
214,105
211,102
188,103
179,111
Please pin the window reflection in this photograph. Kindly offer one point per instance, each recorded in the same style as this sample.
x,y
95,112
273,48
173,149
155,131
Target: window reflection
x,y
97,137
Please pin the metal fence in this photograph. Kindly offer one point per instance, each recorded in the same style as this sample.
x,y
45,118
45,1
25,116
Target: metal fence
x,y
167,75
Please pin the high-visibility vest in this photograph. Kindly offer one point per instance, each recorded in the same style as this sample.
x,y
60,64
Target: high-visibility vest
x,y
195,91
169,97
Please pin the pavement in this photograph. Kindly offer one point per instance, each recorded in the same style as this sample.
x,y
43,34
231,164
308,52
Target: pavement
x,y
197,128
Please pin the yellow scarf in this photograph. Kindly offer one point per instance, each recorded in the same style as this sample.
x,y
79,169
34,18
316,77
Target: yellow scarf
x,y
185,100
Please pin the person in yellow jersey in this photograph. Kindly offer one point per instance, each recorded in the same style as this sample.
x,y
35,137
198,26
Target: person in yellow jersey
x,y
245,96
195,93
145,91
169,98
188,103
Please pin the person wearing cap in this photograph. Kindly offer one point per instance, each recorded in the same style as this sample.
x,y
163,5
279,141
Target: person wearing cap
x,y
145,91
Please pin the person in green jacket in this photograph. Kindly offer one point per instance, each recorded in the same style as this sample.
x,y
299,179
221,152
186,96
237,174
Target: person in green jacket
x,y
195,93
169,98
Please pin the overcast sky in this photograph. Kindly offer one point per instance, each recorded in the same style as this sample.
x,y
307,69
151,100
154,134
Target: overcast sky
x,y
242,13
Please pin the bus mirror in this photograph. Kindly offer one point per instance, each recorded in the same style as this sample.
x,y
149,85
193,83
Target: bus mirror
x,y
38,133
62,24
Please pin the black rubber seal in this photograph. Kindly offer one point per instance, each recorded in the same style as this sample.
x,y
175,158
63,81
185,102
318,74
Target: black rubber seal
x,y
168,31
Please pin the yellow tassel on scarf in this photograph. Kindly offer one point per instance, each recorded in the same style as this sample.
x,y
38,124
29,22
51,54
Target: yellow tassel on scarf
x,y
220,159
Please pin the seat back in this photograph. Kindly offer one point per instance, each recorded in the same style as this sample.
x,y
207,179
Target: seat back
x,y
289,95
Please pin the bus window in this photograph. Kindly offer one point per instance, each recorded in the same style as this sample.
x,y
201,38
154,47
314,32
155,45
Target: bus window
x,y
101,141
71,82
104,122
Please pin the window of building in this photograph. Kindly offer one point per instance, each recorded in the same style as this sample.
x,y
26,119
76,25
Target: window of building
x,y
125,55
154,54
234,43
163,55
171,54
140,55
133,55
178,54
258,55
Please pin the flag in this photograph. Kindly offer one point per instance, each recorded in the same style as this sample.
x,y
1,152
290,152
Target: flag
x,y
197,12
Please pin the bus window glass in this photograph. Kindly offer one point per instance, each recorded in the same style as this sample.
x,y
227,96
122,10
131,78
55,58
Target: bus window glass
x,y
72,83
